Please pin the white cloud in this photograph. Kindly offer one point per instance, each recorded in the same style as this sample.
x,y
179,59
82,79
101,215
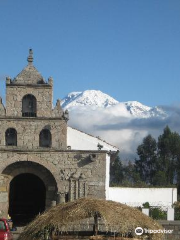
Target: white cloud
x,y
91,121
117,126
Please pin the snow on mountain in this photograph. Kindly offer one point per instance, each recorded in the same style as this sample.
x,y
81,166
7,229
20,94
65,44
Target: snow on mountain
x,y
93,98
141,111
98,99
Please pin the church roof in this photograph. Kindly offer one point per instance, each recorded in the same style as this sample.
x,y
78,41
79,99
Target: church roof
x,y
29,75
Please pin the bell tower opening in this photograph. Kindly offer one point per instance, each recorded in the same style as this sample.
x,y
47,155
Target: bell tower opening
x,y
11,137
45,138
26,199
29,106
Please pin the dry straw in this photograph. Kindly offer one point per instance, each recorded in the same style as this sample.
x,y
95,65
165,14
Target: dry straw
x,y
116,217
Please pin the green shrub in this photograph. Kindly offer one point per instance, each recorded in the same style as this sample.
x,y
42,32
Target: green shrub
x,y
176,214
176,207
157,213
146,205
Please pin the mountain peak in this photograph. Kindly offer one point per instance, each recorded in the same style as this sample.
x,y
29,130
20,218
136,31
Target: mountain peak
x,y
139,110
93,98
96,99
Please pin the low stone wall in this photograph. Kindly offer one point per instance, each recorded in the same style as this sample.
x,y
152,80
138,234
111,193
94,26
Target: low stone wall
x,y
68,237
171,225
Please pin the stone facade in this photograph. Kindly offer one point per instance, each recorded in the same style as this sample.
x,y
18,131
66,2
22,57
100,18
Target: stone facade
x,y
2,108
28,131
28,119
15,93
71,173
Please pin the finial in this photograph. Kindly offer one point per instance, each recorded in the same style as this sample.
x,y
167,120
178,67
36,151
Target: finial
x,y
8,80
50,81
30,57
58,103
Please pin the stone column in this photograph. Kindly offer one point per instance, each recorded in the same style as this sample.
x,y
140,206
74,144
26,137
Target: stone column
x,y
58,198
53,203
145,211
61,197
170,214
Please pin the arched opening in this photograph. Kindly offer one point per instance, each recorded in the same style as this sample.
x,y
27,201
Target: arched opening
x,y
29,106
11,137
27,198
35,179
45,138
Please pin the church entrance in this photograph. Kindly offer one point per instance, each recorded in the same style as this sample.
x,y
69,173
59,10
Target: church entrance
x,y
27,198
31,187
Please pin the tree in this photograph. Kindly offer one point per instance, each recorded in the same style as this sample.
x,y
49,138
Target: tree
x,y
116,172
146,165
131,176
169,154
159,179
158,163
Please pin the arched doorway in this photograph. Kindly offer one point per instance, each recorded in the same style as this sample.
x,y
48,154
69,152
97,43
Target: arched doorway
x,y
24,176
27,198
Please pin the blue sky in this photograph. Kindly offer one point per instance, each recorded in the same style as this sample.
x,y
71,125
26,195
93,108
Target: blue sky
x,y
129,49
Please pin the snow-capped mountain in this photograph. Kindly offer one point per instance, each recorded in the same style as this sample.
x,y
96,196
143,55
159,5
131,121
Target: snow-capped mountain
x,y
93,98
98,99
123,124
142,111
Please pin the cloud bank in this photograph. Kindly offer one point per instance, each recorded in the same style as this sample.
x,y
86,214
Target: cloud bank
x,y
117,126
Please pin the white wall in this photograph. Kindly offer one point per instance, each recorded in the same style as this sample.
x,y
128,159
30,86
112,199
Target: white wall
x,y
137,196
107,175
79,140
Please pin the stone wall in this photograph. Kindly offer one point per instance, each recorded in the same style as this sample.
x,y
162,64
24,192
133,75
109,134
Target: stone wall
x,y
76,173
15,94
2,109
171,225
28,131
4,180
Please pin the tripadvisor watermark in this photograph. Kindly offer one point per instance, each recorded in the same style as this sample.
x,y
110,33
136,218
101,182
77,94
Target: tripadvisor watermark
x,y
140,231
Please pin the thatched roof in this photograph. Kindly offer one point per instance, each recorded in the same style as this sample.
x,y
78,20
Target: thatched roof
x,y
117,217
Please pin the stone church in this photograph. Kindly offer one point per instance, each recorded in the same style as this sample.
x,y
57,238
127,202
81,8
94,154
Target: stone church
x,y
37,168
